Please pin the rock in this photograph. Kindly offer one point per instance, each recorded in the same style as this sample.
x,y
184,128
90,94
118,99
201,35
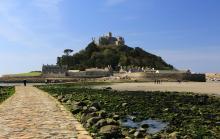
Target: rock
x,y
92,109
142,130
68,102
108,88
173,135
217,123
59,97
124,104
133,118
81,103
111,121
64,100
117,106
147,137
85,108
68,96
138,134
86,116
144,126
55,95
76,111
110,131
125,132
116,117
135,113
132,131
93,121
101,123
97,105
157,136
103,114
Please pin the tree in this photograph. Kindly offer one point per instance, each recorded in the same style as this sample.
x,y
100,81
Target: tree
x,y
67,52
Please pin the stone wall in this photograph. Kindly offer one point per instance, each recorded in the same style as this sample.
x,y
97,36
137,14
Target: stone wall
x,y
89,74
143,76
54,75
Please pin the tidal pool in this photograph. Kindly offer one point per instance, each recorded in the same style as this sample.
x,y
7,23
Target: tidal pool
x,y
155,126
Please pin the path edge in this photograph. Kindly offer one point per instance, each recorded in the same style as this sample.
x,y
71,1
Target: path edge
x,y
81,132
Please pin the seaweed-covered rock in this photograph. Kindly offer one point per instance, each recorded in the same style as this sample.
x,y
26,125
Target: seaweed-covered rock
x,y
92,109
110,131
68,96
116,117
101,123
81,103
132,131
144,126
133,118
76,111
173,135
92,121
143,130
103,114
86,116
59,97
107,88
217,123
64,99
97,105
69,102
124,104
138,134
55,95
112,121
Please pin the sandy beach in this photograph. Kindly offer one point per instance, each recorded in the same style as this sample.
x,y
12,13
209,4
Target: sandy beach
x,y
211,88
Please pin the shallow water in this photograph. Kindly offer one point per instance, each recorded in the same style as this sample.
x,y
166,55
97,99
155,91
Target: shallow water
x,y
9,84
155,126
18,84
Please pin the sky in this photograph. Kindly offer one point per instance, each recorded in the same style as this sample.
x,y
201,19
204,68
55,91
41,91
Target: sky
x,y
185,33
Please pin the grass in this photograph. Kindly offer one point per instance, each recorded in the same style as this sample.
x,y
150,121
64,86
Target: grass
x,y
6,92
33,74
191,115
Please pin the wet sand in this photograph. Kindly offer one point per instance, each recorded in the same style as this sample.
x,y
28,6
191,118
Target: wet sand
x,y
211,88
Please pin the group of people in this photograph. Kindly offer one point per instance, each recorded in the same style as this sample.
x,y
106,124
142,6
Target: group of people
x,y
157,81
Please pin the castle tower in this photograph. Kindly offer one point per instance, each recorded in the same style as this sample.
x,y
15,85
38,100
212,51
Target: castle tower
x,y
110,34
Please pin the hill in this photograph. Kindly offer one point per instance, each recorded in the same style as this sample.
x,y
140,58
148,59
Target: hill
x,y
103,55
28,74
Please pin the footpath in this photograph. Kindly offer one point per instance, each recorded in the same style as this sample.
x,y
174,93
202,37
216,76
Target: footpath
x,y
33,114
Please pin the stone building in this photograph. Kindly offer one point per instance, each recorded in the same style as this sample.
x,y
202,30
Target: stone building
x,y
110,40
54,71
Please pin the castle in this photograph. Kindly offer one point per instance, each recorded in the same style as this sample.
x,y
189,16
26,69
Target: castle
x,y
110,40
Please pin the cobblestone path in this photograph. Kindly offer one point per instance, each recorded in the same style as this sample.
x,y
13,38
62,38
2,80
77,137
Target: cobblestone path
x,y
33,114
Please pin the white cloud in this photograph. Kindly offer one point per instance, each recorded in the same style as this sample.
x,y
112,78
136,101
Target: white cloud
x,y
114,2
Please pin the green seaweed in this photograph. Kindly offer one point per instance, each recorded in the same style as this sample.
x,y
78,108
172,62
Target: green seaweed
x,y
190,115
6,92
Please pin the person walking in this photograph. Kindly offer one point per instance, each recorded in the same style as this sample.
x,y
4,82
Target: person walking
x,y
25,82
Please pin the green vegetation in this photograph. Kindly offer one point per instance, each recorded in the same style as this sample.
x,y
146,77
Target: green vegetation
x,y
102,56
189,115
6,92
33,74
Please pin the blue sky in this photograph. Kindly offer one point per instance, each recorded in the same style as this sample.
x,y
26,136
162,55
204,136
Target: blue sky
x,y
186,33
